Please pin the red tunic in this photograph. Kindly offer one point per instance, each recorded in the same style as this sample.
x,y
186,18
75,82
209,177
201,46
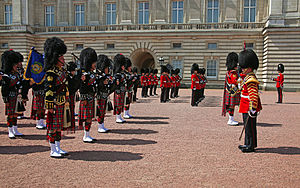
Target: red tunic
x,y
173,83
163,81
195,82
178,81
150,80
279,80
143,80
249,94
156,80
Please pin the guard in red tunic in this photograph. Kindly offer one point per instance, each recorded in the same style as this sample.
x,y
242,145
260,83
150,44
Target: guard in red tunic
x,y
130,79
104,89
136,84
169,83
279,82
173,83
120,81
178,80
147,75
250,104
231,96
56,93
163,84
12,91
151,82
144,83
203,82
88,58
195,86
156,79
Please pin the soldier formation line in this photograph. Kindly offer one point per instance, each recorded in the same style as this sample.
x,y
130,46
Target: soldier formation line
x,y
95,78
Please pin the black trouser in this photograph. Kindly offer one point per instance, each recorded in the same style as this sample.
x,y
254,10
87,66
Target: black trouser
x,y
195,97
155,87
168,93
135,87
250,131
163,95
176,91
279,89
173,92
144,90
151,90
202,93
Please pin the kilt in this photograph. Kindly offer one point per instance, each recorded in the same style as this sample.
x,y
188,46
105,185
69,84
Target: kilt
x,y
232,100
10,107
38,104
119,102
101,107
56,121
87,111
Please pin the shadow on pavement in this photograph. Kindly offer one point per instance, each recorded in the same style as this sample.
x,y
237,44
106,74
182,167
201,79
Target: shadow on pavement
x,y
280,150
132,142
269,125
42,137
23,150
133,131
19,125
151,117
146,122
112,156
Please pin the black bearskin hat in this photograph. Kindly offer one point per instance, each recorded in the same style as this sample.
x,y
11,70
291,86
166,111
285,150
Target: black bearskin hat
x,y
88,56
146,70
151,71
195,67
20,56
173,71
103,62
72,66
248,59
164,69
232,60
9,58
202,71
177,71
142,70
53,48
155,71
134,70
280,68
119,61
127,63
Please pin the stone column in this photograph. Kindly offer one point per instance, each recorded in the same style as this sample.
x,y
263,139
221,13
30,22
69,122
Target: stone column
x,y
125,12
160,11
231,8
16,12
276,17
193,11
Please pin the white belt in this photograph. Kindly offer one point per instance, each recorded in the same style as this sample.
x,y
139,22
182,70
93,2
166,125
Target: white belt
x,y
197,82
244,96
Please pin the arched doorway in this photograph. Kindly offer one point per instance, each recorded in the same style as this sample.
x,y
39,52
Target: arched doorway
x,y
142,58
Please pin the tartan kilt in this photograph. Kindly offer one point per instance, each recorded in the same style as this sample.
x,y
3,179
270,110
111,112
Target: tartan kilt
x,y
101,107
10,107
87,111
119,102
232,100
56,121
38,103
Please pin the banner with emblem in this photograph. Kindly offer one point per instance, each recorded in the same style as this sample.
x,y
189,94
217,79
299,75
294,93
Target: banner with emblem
x,y
34,70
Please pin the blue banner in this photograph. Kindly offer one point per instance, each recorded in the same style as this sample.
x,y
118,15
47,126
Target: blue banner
x,y
35,67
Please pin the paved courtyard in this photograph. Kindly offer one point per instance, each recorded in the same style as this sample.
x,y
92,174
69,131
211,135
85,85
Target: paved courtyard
x,y
165,145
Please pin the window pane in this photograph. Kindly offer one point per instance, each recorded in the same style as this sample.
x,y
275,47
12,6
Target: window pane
x,y
216,3
180,4
77,8
82,19
147,17
174,4
108,8
253,2
6,8
252,13
113,7
246,15
114,18
140,6
77,18
174,16
146,5
209,15
52,19
107,19
82,7
246,3
140,17
216,16
210,3
180,16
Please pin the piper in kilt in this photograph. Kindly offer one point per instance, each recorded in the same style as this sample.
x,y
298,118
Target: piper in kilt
x,y
38,104
12,91
250,104
74,85
88,58
120,81
56,94
104,89
231,96
130,80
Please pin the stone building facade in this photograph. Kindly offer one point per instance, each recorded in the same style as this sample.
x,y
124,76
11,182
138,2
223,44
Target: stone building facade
x,y
182,32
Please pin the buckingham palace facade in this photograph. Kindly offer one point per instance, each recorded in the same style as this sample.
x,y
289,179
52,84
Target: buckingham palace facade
x,y
179,32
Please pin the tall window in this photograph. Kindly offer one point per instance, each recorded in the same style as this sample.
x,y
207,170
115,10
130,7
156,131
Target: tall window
x,y
49,18
178,64
8,14
213,11
212,68
111,16
79,15
177,12
249,10
144,13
